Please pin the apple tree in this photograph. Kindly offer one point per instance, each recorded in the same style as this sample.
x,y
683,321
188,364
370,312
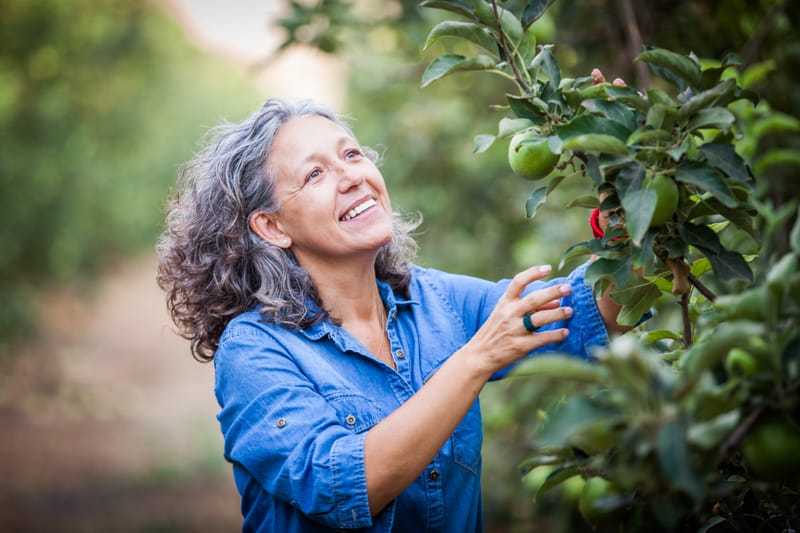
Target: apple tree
x,y
685,424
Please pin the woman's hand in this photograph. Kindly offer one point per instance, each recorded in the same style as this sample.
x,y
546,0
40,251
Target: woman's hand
x,y
503,339
427,419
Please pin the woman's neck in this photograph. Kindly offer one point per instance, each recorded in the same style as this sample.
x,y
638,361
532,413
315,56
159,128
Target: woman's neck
x,y
348,292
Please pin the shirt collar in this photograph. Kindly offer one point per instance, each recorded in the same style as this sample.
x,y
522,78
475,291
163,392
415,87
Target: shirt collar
x,y
328,328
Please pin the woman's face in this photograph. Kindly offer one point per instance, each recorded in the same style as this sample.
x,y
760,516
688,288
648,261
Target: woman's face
x,y
333,199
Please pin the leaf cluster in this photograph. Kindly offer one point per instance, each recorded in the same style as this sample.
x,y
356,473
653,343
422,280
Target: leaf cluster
x,y
663,414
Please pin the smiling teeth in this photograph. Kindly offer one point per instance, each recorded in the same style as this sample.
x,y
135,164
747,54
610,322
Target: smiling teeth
x,y
357,210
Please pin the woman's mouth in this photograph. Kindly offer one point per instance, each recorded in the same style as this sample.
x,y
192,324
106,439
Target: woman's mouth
x,y
357,210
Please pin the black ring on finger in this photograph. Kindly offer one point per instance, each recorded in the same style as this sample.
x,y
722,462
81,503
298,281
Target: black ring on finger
x,y
528,323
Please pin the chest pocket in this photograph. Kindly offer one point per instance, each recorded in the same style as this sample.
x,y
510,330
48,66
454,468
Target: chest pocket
x,y
356,412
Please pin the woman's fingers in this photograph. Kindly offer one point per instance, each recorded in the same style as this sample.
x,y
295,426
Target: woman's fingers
x,y
545,298
522,279
542,317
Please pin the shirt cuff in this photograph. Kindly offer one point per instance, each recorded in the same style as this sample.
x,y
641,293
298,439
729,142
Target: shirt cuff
x,y
593,331
350,487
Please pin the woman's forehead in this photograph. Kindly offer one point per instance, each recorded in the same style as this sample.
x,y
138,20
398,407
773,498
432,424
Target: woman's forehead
x,y
310,131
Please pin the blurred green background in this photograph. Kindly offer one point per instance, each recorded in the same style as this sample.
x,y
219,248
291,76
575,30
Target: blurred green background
x,y
109,423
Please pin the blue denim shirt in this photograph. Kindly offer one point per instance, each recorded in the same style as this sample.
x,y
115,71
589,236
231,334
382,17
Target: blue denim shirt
x,y
296,405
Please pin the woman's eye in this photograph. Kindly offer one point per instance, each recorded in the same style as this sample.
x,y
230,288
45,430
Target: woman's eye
x,y
313,174
350,154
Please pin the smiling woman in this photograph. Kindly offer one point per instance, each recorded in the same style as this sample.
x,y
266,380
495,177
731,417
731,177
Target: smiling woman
x,y
347,377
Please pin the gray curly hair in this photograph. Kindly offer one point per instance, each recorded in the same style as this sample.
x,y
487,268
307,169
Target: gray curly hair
x,y
211,264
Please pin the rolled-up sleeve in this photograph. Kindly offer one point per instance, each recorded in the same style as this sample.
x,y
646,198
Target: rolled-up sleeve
x,y
475,299
289,437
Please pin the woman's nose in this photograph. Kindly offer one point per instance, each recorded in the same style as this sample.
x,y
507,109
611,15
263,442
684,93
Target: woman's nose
x,y
349,177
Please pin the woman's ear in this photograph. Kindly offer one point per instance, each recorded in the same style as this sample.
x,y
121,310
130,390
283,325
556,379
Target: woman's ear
x,y
266,226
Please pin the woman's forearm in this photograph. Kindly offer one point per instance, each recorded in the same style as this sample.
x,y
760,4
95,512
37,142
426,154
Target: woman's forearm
x,y
399,448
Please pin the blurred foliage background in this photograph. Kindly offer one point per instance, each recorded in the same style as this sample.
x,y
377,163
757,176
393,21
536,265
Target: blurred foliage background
x,y
100,102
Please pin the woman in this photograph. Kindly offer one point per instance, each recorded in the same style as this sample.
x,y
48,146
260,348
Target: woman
x,y
347,376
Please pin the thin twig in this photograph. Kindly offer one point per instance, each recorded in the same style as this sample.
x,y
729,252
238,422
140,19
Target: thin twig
x,y
687,321
700,286
634,43
740,432
509,57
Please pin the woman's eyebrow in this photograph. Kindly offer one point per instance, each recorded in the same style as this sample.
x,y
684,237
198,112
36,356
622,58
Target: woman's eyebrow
x,y
340,142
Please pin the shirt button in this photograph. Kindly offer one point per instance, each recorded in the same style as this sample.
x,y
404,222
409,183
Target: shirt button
x,y
434,475
400,354
350,420
281,422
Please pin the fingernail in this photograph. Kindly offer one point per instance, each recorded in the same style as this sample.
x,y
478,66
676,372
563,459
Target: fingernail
x,y
567,311
565,289
544,269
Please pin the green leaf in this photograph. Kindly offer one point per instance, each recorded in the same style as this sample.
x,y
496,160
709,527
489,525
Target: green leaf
x,y
729,265
483,142
636,298
533,11
677,152
522,108
714,347
706,99
559,367
629,96
545,62
578,250
773,123
724,157
676,461
710,434
612,110
536,199
678,67
716,117
592,124
787,157
568,421
700,267
509,126
468,31
708,179
639,205
661,116
596,142
794,236
643,254
648,136
739,217
659,97
608,270
711,523
700,235
589,201
453,6
449,63
659,335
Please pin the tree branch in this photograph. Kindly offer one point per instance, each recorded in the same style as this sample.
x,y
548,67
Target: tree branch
x,y
687,321
523,85
701,287
634,41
